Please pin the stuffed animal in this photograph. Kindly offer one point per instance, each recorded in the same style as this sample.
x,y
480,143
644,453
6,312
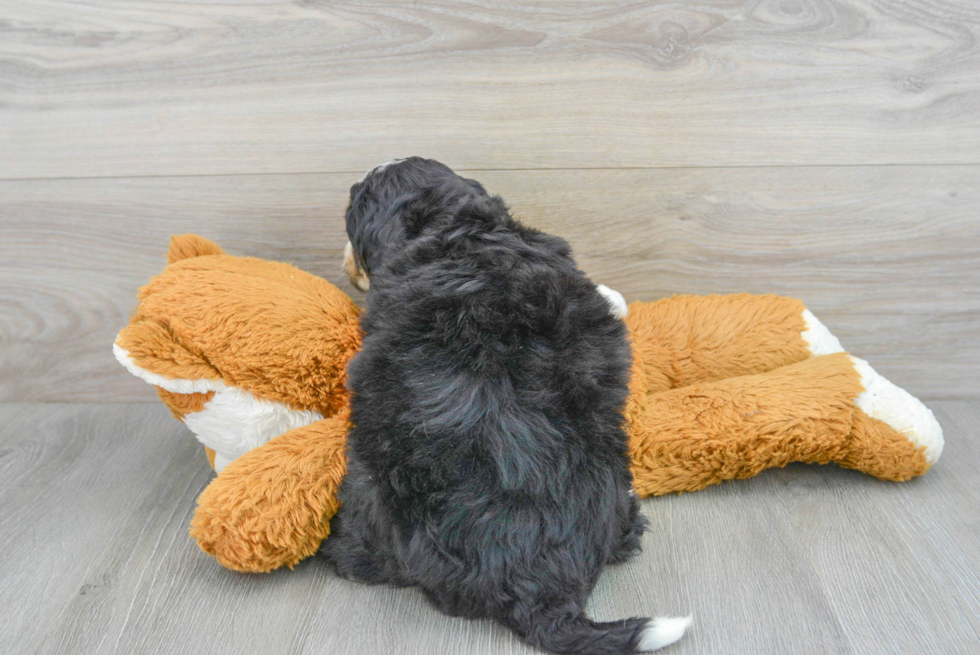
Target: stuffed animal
x,y
251,356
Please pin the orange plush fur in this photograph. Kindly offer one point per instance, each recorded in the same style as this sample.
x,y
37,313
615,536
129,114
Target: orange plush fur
x,y
722,388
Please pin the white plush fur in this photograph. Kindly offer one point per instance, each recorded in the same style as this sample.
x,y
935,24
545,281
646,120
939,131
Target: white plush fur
x,y
818,338
178,385
617,303
234,421
221,461
882,399
663,631
898,408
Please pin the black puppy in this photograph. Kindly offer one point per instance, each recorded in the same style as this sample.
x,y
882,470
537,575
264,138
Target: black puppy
x,y
487,457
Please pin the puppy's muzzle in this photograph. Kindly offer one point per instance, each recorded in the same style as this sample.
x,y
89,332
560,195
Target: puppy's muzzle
x,y
358,277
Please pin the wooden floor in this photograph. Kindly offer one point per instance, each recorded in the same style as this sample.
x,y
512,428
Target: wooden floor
x,y
806,559
824,149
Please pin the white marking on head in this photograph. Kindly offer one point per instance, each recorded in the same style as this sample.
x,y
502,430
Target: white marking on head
x,y
221,461
379,168
234,421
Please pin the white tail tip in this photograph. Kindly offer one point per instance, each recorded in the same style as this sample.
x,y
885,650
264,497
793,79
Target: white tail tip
x,y
663,631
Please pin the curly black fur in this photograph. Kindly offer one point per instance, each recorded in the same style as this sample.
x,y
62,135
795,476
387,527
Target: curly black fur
x,y
487,458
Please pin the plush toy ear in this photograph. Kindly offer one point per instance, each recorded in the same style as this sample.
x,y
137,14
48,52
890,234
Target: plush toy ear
x,y
149,348
185,246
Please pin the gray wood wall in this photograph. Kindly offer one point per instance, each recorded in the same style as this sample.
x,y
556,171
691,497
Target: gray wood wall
x,y
826,150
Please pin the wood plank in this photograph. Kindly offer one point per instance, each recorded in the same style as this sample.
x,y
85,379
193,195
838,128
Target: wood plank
x,y
96,498
137,88
97,559
121,575
900,563
885,256
80,489
888,258
727,554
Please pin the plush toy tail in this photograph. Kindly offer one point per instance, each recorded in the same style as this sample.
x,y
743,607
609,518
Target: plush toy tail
x,y
185,246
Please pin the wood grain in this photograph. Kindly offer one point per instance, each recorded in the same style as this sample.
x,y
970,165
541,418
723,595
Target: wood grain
x,y
899,562
95,501
888,257
729,556
164,88
80,487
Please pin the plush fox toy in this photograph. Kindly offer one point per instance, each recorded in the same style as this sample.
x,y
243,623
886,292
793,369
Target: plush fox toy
x,y
251,356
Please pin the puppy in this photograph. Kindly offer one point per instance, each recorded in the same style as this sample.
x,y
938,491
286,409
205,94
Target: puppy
x,y
487,462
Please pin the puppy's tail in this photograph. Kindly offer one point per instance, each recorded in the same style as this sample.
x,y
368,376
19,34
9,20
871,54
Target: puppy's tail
x,y
579,635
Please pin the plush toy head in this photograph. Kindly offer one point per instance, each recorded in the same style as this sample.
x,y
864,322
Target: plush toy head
x,y
240,349
251,356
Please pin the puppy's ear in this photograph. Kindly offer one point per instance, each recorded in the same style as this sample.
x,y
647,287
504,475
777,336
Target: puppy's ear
x,y
475,186
418,209
457,200
431,205
369,229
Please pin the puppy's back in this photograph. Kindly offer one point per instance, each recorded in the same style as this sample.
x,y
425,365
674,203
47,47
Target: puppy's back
x,y
487,403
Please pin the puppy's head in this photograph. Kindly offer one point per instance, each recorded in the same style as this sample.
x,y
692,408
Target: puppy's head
x,y
394,203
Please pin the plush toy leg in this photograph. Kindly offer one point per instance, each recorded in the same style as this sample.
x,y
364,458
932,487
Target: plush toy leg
x,y
884,402
272,506
684,339
689,438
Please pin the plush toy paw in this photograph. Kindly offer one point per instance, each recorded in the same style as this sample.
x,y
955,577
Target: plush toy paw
x,y
272,506
881,399
900,410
